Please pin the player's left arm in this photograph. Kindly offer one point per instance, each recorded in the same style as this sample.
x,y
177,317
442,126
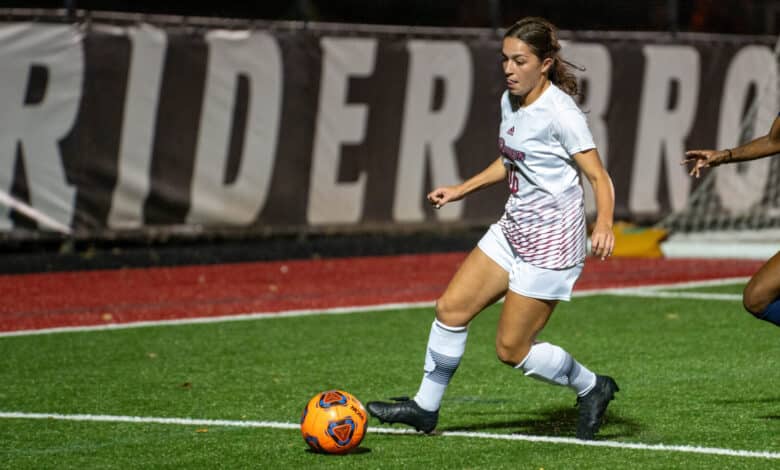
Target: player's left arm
x,y
602,239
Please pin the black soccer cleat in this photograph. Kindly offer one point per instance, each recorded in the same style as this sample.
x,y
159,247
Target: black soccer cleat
x,y
404,411
593,405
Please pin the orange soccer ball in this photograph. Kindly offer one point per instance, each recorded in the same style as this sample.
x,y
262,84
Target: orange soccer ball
x,y
334,422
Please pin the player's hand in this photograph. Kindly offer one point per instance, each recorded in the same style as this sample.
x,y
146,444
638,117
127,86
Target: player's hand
x,y
440,196
602,241
700,159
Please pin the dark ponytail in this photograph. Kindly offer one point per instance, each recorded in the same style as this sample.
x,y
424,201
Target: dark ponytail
x,y
561,75
542,37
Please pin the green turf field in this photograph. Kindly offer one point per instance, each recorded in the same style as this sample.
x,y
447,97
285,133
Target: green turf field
x,y
693,373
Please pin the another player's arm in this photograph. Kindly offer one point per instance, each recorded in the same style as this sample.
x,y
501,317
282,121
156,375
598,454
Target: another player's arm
x,y
758,148
602,239
491,175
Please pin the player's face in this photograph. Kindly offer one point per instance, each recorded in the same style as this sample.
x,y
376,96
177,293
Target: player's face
x,y
523,70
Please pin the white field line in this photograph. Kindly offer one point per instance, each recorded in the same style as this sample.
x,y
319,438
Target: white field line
x,y
677,295
383,430
660,287
220,319
654,291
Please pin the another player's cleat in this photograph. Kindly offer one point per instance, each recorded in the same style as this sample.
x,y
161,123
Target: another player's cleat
x,y
404,411
593,405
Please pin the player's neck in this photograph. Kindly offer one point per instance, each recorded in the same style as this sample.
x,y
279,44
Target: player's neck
x,y
535,92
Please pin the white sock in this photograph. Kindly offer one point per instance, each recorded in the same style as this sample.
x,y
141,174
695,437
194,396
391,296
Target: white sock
x,y
552,364
446,345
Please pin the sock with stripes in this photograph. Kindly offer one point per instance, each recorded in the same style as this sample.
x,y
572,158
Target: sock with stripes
x,y
446,345
552,364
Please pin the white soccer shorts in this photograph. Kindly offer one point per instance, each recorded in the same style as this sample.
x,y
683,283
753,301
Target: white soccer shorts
x,y
524,278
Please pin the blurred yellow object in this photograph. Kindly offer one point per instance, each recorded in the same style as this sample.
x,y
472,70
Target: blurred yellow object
x,y
633,241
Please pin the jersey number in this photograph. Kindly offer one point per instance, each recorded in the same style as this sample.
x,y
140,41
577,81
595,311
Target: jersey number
x,y
513,178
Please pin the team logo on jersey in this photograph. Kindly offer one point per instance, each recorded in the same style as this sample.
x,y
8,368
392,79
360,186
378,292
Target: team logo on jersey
x,y
509,152
511,131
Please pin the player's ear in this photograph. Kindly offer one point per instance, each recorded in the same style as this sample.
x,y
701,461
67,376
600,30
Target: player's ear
x,y
546,64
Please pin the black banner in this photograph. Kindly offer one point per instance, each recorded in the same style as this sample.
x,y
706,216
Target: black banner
x,y
109,129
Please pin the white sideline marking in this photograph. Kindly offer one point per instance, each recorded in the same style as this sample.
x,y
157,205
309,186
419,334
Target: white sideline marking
x,y
659,287
678,295
653,290
220,319
382,430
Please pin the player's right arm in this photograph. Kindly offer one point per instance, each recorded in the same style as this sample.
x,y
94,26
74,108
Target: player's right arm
x,y
758,148
489,176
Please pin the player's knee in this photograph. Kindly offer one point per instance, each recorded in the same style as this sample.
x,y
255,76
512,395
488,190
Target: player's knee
x,y
753,300
443,311
448,314
510,353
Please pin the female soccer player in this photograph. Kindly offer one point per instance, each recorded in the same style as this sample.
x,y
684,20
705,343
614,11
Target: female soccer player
x,y
534,254
762,293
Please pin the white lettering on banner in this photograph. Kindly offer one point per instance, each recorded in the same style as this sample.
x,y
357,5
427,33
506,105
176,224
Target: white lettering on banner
x,y
740,186
232,54
138,124
338,123
429,135
37,127
595,59
662,131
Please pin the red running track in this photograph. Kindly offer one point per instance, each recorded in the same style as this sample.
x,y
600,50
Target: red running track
x,y
82,298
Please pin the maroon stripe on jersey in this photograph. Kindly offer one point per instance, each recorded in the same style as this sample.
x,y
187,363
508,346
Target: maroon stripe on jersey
x,y
546,231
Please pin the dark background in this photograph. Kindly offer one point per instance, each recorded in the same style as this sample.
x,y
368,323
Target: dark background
x,y
713,16
58,254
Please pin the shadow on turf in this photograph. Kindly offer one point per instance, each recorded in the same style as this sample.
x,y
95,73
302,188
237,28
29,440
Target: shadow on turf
x,y
557,422
356,451
752,400
747,400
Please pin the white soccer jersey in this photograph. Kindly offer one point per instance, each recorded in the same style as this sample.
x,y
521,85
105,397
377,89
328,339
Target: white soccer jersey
x,y
544,217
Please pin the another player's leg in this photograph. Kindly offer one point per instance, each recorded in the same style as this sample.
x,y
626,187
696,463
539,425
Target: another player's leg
x,y
478,283
522,318
762,294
